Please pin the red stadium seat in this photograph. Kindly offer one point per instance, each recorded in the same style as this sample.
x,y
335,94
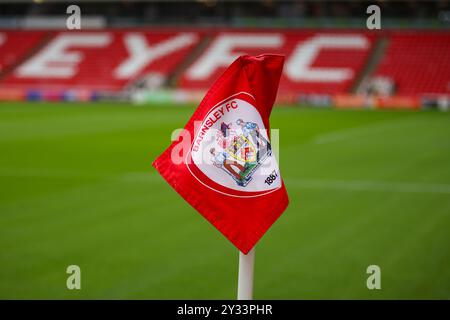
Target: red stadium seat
x,y
100,60
317,61
418,62
16,45
335,51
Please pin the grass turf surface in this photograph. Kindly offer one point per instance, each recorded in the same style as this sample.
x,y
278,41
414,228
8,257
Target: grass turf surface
x,y
77,187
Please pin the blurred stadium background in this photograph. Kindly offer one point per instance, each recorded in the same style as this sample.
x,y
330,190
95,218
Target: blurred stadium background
x,y
84,113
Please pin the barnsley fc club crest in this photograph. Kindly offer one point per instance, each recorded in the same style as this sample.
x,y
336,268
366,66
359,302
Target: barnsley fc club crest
x,y
231,148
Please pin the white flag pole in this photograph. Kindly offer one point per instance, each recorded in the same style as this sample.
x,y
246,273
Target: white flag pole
x,y
245,281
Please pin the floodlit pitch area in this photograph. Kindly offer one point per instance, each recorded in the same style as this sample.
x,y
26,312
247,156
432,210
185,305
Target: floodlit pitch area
x,y
77,187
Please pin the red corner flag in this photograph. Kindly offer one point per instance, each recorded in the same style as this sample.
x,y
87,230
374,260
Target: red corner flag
x,y
222,162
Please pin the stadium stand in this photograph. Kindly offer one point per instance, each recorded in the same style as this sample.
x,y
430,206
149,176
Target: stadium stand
x,y
15,45
99,60
318,62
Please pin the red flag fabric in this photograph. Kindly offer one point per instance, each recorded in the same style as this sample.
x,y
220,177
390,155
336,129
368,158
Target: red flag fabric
x,y
222,163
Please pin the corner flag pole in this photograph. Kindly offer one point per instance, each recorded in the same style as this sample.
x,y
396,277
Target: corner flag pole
x,y
245,281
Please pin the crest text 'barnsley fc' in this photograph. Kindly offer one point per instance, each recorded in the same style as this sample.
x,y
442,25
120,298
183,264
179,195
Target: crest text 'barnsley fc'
x,y
231,152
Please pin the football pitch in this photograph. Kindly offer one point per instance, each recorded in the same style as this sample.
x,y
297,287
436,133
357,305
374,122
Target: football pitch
x,y
365,187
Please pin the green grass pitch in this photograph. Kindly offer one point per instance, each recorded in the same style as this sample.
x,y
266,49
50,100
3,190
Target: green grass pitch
x,y
77,187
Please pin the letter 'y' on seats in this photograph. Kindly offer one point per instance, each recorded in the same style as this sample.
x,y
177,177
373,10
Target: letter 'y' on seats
x,y
142,54
221,54
56,61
